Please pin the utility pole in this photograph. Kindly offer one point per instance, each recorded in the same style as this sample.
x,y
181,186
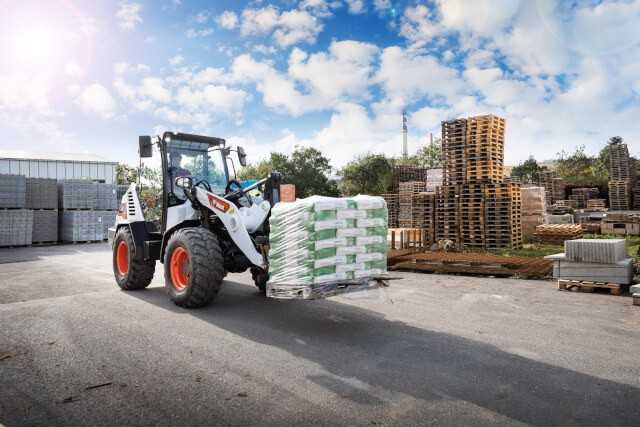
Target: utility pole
x,y
405,147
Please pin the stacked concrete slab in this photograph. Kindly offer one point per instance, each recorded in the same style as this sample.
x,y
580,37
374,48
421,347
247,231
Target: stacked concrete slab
x,y
86,226
13,191
78,194
16,227
45,226
594,260
107,197
42,193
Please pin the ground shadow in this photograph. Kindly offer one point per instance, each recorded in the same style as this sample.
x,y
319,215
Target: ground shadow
x,y
359,344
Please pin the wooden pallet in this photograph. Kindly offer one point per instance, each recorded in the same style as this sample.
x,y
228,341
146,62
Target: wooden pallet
x,y
585,286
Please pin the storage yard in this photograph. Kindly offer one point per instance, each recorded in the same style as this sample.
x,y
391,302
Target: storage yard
x,y
431,348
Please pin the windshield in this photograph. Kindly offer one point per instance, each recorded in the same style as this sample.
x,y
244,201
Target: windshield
x,y
199,161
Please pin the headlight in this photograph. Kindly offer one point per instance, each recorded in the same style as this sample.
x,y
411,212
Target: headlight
x,y
167,138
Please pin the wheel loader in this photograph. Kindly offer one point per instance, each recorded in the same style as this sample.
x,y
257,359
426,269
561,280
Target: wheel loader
x,y
201,223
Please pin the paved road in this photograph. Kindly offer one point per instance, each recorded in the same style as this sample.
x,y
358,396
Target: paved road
x,y
432,349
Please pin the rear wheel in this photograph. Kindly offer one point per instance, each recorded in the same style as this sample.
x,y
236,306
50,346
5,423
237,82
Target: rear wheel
x,y
193,267
260,278
130,272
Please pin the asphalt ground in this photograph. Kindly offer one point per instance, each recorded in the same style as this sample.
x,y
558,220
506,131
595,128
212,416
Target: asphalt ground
x,y
431,349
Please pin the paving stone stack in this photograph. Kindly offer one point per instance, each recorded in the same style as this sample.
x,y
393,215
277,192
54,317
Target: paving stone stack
x,y
88,209
45,226
42,193
594,260
13,191
476,207
16,227
621,175
107,198
86,226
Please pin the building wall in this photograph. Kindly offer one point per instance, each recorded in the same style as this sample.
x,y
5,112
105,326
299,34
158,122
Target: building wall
x,y
60,169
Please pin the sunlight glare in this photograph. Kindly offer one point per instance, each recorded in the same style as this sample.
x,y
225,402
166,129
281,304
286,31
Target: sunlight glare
x,y
35,46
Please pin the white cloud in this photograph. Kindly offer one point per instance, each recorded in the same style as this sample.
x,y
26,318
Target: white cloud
x,y
154,88
259,21
289,28
202,17
228,20
193,33
481,17
343,71
73,70
176,60
123,67
381,5
129,15
263,49
356,7
96,99
215,98
320,8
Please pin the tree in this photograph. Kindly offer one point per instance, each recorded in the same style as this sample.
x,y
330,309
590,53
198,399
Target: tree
x,y
126,174
430,155
581,169
528,171
306,168
368,174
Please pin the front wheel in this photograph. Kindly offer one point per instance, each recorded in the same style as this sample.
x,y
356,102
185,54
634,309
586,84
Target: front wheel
x,y
130,272
193,267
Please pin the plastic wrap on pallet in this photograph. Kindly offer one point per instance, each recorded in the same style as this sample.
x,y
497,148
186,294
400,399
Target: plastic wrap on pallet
x,y
16,227
319,243
13,191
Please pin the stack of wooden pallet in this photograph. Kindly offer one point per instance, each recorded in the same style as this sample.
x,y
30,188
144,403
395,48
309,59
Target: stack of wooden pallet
x,y
546,178
596,205
476,208
408,173
582,195
621,224
621,175
406,202
556,234
424,208
534,209
393,207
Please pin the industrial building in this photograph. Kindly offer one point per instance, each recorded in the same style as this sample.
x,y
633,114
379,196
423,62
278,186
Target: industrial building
x,y
58,166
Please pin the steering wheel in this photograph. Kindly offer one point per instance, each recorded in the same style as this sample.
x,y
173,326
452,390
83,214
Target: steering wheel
x,y
205,184
234,194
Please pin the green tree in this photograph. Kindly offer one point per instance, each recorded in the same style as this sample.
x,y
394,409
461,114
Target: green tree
x,y
126,174
581,169
306,168
528,171
368,174
430,155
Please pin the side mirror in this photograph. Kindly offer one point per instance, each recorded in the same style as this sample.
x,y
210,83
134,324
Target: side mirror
x,y
242,156
145,147
184,182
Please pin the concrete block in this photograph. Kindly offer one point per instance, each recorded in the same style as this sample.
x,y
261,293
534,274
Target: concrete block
x,y
16,227
599,251
42,193
620,272
45,226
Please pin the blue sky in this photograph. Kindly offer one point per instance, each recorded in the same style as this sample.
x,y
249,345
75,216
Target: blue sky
x,y
89,76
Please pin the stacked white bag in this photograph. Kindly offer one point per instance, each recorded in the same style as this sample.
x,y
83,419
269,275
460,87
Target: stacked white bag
x,y
322,240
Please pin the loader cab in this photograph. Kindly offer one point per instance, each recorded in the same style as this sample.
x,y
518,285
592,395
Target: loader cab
x,y
203,159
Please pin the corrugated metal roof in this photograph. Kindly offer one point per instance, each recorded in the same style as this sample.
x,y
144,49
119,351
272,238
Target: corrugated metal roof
x,y
70,157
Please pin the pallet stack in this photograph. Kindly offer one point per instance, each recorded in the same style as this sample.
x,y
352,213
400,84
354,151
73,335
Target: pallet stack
x,y
424,209
476,208
534,208
408,173
393,207
88,209
42,197
16,222
621,176
557,234
582,195
407,201
596,205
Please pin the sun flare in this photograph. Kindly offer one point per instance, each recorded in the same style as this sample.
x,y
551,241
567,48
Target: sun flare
x,y
36,46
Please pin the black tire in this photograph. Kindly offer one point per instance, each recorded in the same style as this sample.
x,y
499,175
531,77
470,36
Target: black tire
x,y
260,278
198,267
130,272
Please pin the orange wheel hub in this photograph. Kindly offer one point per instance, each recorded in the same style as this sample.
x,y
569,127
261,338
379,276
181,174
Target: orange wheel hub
x,y
122,258
180,268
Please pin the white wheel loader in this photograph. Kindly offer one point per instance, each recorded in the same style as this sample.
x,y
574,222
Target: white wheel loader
x,y
200,225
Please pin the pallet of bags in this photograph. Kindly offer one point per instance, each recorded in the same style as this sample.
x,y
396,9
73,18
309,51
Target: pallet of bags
x,y
322,246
